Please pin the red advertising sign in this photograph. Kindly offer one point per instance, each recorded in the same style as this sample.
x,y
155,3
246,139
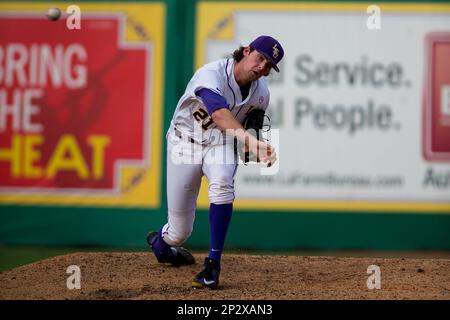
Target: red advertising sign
x,y
436,111
73,103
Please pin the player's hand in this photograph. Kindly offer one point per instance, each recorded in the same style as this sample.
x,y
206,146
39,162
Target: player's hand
x,y
265,152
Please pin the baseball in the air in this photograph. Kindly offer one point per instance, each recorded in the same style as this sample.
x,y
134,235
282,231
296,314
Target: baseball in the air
x,y
53,13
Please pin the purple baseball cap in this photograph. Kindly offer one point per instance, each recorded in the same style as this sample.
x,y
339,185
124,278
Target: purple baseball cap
x,y
270,48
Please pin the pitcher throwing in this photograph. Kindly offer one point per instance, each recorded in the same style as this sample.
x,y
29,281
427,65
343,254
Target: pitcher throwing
x,y
218,99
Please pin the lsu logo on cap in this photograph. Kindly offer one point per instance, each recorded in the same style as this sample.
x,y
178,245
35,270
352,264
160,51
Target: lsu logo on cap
x,y
275,51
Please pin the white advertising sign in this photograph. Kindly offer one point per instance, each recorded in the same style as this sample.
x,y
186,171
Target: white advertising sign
x,y
349,106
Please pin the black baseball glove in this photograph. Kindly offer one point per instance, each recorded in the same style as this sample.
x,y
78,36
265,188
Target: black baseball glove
x,y
253,123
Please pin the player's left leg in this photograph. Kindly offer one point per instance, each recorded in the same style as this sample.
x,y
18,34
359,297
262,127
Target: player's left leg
x,y
219,167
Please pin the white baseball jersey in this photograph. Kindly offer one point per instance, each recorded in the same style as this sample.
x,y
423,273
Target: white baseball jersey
x,y
217,76
214,160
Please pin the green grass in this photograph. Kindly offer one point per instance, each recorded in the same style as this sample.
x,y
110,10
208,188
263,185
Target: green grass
x,y
15,256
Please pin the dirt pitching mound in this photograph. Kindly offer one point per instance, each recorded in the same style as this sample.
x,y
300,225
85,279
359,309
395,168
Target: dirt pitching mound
x,y
139,276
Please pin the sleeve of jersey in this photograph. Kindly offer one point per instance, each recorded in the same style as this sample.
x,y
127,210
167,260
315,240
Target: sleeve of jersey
x,y
212,100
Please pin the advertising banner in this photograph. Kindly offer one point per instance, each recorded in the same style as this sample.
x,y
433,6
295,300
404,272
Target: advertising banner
x,y
81,104
361,103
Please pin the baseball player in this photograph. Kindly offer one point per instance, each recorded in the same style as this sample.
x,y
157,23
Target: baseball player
x,y
217,99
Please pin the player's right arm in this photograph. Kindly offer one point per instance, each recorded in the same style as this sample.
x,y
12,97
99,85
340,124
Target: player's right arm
x,y
217,108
